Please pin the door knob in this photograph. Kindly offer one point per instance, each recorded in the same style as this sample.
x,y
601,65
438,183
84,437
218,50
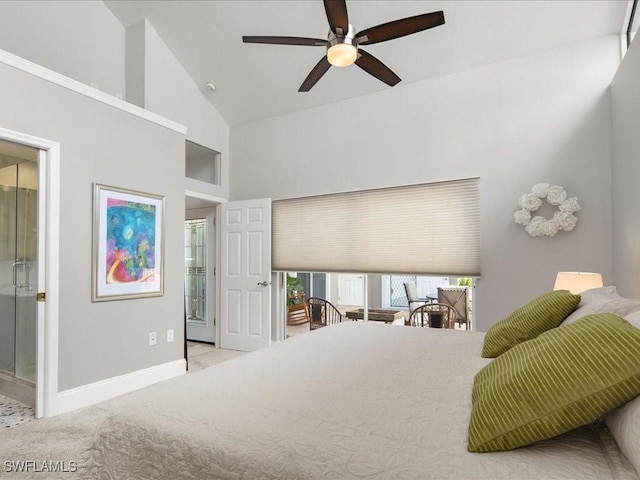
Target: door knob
x,y
263,284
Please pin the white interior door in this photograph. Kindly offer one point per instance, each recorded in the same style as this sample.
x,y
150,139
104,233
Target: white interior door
x,y
245,274
429,285
351,289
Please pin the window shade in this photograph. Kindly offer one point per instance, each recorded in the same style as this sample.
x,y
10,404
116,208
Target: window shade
x,y
431,228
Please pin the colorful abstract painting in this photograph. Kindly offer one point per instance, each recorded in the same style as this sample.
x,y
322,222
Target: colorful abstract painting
x,y
130,240
128,249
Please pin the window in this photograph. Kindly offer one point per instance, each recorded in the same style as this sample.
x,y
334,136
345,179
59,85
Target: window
x,y
427,229
313,284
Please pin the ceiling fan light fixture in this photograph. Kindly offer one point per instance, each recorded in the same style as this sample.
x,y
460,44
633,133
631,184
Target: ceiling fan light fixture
x,y
342,54
342,43
342,49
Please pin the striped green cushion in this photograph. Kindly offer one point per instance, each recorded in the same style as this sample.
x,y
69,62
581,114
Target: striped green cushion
x,y
539,315
565,378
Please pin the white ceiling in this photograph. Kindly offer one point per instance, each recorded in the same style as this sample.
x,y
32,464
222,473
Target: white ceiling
x,y
254,82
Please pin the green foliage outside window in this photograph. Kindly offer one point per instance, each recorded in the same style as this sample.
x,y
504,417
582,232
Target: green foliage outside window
x,y
293,285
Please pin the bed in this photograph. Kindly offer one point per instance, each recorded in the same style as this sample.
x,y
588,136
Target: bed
x,y
354,400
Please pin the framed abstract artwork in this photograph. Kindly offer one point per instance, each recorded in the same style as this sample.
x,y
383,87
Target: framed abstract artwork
x,y
127,244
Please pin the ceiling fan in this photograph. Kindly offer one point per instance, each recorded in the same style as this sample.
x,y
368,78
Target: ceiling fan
x,y
343,45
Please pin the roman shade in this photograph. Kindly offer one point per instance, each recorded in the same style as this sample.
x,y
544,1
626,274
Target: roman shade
x,y
431,228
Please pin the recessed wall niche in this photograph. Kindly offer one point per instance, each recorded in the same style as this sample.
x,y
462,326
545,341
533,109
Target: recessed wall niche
x,y
202,163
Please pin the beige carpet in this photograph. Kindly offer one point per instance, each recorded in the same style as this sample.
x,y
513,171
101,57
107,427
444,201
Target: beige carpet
x,y
31,450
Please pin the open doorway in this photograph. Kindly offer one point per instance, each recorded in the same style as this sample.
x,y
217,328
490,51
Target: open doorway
x,y
202,172
199,280
18,280
43,264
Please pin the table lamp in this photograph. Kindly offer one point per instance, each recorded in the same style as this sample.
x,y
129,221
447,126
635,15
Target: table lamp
x,y
577,282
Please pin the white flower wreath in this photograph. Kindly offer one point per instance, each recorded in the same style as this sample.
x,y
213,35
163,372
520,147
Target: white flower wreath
x,y
563,218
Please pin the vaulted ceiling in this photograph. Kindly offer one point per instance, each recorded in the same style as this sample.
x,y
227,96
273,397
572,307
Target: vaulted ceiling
x,y
255,82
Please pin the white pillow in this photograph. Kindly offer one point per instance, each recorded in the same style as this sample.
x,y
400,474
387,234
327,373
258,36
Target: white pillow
x,y
634,318
602,300
599,292
624,424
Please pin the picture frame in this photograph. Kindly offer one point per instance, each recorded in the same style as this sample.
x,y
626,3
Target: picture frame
x,y
128,244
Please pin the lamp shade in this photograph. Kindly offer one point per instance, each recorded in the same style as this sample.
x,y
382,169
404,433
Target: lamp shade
x,y
577,282
342,54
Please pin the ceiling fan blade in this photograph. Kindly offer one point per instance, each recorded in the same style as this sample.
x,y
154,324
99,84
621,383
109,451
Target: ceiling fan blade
x,y
337,15
311,42
400,28
316,74
375,67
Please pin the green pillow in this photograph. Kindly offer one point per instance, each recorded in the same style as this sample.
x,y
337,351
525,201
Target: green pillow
x,y
539,315
565,378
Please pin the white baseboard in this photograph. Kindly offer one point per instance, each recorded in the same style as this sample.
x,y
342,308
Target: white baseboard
x,y
92,393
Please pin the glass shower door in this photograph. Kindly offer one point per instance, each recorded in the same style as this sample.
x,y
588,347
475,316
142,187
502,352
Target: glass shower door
x,y
8,225
18,278
26,273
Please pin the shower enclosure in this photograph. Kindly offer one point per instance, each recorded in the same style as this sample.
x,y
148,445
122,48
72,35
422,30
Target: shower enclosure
x,y
18,262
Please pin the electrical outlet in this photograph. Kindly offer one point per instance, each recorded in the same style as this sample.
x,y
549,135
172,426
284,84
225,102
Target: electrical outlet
x,y
153,338
169,335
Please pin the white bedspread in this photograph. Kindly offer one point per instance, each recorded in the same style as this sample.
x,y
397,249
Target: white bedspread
x,y
354,400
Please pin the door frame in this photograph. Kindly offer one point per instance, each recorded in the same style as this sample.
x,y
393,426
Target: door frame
x,y
48,270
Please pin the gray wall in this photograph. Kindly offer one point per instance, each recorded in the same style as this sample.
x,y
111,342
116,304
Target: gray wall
x,y
168,90
84,41
540,118
625,95
81,40
102,144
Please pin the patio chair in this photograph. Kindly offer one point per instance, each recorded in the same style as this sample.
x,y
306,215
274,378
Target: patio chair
x,y
322,313
412,295
458,298
434,315
297,314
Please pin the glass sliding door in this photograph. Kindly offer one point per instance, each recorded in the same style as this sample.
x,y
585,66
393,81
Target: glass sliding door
x,y
314,284
18,261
